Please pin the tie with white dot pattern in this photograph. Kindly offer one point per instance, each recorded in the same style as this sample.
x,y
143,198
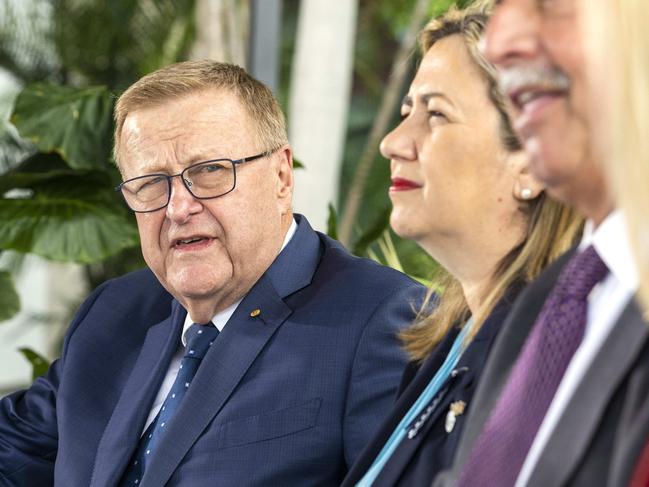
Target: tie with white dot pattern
x,y
199,339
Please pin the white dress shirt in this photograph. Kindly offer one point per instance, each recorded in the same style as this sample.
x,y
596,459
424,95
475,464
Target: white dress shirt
x,y
220,319
606,302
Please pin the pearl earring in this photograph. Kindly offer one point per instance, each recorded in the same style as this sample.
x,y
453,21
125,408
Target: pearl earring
x,y
526,193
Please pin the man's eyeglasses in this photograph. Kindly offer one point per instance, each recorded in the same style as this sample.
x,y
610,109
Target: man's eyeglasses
x,y
204,180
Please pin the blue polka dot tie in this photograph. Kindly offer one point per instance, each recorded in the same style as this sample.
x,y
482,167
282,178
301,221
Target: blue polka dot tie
x,y
199,338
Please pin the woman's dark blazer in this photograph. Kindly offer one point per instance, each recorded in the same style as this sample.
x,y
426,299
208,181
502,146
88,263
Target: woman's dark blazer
x,y
416,461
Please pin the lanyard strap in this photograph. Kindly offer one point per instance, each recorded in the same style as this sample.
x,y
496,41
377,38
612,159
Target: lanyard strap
x,y
426,397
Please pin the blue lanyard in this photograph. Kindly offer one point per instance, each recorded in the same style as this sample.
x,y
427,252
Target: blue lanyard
x,y
426,397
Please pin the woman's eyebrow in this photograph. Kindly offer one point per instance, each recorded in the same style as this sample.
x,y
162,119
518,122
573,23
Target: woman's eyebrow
x,y
425,98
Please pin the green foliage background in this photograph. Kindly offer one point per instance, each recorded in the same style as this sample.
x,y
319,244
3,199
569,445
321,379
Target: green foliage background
x,y
72,57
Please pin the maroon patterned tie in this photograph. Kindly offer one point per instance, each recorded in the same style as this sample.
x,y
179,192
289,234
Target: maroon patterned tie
x,y
503,445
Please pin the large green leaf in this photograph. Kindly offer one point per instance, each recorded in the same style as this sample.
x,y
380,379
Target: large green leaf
x,y
64,216
75,123
48,173
9,299
64,229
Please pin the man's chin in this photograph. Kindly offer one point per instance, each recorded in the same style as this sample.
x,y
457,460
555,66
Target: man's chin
x,y
197,292
545,164
186,290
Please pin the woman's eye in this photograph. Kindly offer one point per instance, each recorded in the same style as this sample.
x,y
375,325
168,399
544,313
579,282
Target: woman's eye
x,y
436,117
435,114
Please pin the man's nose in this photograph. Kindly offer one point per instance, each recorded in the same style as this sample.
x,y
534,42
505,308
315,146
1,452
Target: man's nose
x,y
512,33
182,204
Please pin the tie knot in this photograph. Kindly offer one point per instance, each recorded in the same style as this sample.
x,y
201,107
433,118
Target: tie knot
x,y
199,338
583,271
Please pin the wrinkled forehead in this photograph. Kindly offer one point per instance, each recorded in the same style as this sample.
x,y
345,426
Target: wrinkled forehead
x,y
207,102
200,126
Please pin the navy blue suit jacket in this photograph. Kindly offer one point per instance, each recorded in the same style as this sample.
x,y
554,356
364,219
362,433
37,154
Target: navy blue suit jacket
x,y
288,397
417,460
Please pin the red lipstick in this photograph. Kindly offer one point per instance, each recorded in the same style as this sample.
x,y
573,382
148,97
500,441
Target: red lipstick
x,y
401,184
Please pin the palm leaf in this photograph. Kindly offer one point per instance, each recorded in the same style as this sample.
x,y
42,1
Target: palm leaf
x,y
61,214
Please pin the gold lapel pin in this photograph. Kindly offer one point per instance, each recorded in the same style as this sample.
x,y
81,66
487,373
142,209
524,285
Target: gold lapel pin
x,y
255,312
456,409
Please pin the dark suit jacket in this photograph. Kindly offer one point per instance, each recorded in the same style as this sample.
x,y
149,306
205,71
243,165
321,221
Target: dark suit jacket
x,y
417,460
288,397
595,441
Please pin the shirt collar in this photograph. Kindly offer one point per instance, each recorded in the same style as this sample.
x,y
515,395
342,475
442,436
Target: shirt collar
x,y
221,318
611,241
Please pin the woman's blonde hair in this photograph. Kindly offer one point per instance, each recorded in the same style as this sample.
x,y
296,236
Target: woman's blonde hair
x,y
616,30
551,230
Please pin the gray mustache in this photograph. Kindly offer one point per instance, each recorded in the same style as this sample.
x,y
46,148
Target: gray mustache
x,y
549,78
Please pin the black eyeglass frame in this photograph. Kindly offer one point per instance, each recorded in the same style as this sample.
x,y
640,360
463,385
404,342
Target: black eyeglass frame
x,y
188,184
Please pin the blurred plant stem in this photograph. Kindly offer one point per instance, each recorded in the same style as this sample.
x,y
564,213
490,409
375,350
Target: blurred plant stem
x,y
382,121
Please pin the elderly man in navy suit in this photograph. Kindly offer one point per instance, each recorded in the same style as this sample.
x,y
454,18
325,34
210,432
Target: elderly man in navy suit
x,y
253,351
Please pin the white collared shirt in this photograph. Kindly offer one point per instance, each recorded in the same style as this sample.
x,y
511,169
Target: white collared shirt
x,y
606,302
220,319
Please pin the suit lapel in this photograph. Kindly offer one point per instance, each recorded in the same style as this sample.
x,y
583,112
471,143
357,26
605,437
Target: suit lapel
x,y
398,463
223,367
457,388
633,427
403,404
579,422
123,430
235,350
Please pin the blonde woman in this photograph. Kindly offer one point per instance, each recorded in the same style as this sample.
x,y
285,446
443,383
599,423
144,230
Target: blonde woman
x,y
618,54
462,190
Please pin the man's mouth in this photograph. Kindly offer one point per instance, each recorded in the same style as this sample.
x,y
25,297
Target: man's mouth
x,y
532,90
526,85
188,243
527,96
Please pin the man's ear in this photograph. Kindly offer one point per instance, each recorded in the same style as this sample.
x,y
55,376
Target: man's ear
x,y
526,186
285,173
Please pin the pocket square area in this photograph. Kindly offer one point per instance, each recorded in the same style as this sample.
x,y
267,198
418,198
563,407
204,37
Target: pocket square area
x,y
269,425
